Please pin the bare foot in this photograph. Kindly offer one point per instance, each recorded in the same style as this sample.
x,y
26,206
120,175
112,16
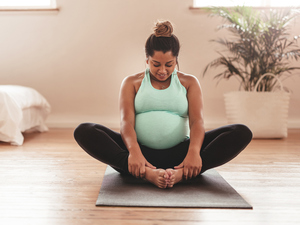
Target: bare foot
x,y
175,176
157,177
170,177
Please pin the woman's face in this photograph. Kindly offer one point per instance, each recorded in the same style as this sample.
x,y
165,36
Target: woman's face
x,y
161,65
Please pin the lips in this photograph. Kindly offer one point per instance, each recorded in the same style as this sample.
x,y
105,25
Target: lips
x,y
162,75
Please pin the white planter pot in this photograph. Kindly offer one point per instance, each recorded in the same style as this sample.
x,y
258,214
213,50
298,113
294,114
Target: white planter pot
x,y
265,113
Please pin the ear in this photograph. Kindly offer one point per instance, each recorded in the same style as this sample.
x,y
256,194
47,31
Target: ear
x,y
147,60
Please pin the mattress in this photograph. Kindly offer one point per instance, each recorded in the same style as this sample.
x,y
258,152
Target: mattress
x,y
22,109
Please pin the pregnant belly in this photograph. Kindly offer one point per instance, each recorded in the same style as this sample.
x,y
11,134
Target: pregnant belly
x,y
160,129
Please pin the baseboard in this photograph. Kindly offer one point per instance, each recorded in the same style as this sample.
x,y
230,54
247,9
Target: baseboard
x,y
73,122
115,124
294,124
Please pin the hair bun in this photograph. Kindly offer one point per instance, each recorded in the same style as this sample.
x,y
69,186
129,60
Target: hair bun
x,y
163,29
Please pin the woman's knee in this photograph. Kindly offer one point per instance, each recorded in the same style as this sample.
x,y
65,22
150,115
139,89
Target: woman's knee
x,y
80,130
89,133
243,132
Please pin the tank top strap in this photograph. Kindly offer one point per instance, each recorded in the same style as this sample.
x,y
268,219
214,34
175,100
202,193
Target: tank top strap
x,y
177,84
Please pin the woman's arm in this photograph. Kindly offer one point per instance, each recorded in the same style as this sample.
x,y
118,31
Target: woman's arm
x,y
192,163
136,160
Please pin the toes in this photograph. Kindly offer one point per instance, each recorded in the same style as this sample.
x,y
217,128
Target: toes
x,y
162,179
170,172
161,173
162,184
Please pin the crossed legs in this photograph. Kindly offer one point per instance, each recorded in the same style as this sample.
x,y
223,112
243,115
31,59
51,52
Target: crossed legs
x,y
219,146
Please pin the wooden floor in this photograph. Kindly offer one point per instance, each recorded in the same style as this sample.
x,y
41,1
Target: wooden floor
x,y
50,180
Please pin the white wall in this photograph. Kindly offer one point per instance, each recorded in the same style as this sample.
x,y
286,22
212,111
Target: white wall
x,y
78,57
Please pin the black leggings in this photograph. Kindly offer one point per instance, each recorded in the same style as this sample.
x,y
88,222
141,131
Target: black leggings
x,y
219,146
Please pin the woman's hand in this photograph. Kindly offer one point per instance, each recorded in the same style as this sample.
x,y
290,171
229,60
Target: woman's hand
x,y
191,165
137,163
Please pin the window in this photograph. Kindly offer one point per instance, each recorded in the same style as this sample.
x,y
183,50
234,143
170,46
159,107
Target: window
x,y
27,4
254,3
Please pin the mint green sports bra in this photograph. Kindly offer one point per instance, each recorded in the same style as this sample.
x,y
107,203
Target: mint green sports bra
x,y
161,116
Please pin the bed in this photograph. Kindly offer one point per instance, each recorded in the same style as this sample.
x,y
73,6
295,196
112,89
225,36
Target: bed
x,y
22,109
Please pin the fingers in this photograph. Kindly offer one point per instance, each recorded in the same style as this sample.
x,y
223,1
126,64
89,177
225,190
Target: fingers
x,y
189,173
134,171
185,173
150,165
198,171
195,173
138,171
179,166
142,172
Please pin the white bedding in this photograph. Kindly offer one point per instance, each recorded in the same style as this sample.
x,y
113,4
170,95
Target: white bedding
x,y
22,109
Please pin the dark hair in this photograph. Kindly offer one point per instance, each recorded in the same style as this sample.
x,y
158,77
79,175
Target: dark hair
x,y
162,40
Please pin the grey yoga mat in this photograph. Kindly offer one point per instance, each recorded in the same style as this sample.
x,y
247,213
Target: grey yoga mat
x,y
209,190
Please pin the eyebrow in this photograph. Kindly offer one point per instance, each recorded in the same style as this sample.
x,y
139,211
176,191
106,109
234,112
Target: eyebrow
x,y
159,62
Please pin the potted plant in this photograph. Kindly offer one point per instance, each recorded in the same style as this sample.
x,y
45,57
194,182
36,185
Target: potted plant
x,y
260,45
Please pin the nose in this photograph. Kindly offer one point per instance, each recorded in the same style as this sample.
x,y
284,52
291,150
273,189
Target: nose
x,y
162,70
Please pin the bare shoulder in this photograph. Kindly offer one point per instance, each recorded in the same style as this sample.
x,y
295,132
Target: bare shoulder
x,y
134,77
188,80
134,80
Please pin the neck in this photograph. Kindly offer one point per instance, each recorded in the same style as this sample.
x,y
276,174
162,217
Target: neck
x,y
157,84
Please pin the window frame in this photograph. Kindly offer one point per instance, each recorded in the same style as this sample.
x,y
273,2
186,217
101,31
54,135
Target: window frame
x,y
51,7
257,7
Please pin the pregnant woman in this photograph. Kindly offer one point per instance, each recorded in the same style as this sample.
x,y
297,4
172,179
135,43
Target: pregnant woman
x,y
162,137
